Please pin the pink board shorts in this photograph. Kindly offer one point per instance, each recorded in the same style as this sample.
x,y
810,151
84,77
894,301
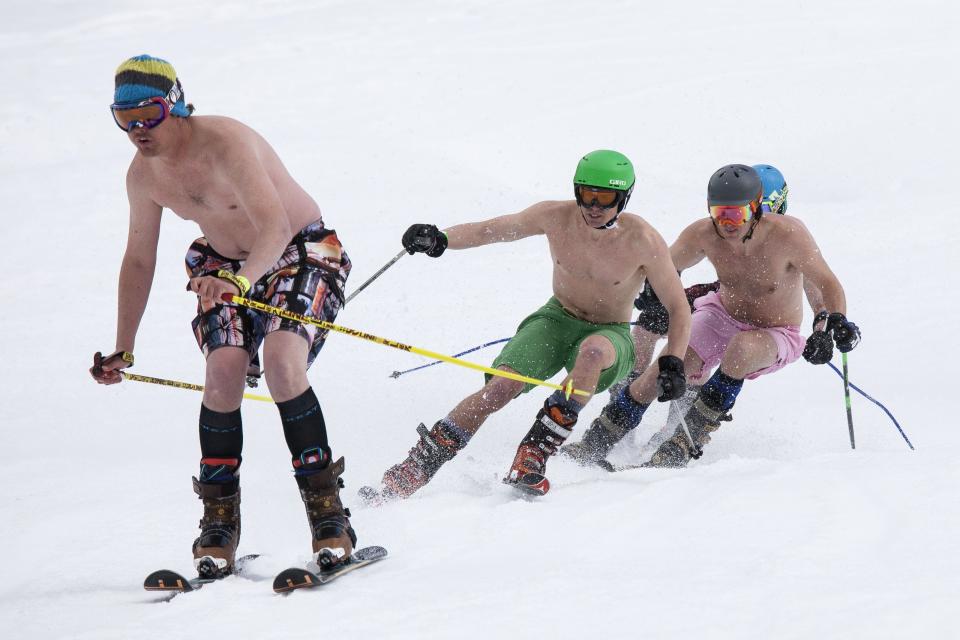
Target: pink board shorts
x,y
713,328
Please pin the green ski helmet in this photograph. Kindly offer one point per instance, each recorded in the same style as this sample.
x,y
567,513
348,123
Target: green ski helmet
x,y
606,169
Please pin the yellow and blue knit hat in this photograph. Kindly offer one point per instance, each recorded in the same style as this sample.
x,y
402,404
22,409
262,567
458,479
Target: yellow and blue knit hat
x,y
143,77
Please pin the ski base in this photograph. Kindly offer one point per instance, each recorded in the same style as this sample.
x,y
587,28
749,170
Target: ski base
x,y
303,578
171,581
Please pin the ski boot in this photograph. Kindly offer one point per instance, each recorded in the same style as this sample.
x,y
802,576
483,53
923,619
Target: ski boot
x,y
604,433
552,426
434,448
214,552
687,444
333,537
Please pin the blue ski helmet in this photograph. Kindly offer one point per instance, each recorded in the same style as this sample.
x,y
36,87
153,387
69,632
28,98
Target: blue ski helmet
x,y
775,189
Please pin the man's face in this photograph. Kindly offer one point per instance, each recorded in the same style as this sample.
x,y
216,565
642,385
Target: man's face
x,y
151,142
145,123
598,206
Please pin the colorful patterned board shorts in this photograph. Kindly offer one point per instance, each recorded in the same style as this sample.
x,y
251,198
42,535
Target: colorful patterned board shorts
x,y
308,279
712,328
548,340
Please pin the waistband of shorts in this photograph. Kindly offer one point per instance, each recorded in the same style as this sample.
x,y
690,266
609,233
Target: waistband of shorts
x,y
553,302
714,296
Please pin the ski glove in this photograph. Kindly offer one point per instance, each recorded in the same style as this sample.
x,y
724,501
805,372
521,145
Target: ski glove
x,y
819,348
425,238
653,315
845,333
671,381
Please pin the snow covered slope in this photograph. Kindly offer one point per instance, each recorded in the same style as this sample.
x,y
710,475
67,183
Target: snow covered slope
x,y
444,112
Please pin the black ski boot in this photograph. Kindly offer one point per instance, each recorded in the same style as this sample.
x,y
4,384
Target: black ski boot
x,y
604,433
687,444
333,538
214,552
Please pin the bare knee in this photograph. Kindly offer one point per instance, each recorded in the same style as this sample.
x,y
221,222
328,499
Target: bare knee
x,y
748,352
286,379
596,352
223,388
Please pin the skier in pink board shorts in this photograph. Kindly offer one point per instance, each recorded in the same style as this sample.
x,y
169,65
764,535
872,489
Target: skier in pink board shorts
x,y
747,327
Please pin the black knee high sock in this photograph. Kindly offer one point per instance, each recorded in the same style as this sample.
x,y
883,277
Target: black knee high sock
x,y
221,445
305,432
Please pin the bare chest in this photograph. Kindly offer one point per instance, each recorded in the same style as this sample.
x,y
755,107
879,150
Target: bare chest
x,y
599,264
195,192
755,274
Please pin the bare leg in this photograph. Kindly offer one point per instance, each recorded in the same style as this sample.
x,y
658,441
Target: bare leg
x,y
226,371
285,364
644,344
596,354
748,352
476,408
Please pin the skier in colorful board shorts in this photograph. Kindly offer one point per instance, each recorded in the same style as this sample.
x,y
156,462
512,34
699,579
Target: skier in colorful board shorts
x,y
263,237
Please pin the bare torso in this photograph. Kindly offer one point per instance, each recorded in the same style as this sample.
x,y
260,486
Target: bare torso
x,y
193,185
761,282
597,273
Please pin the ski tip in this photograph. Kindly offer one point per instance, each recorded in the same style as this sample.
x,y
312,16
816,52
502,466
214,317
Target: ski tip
x,y
166,580
295,578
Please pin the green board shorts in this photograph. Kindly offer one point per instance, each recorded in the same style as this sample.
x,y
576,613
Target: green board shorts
x,y
549,340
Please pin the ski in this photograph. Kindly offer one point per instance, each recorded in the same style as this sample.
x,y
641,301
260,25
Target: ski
x,y
304,578
171,581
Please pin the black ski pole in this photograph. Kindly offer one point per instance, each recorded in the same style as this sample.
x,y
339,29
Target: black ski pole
x,y
374,276
846,399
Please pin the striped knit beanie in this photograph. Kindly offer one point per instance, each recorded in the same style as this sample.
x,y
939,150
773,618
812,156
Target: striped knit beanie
x,y
143,77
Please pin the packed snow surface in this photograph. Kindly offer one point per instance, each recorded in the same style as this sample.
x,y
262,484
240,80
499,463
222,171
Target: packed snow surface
x,y
391,113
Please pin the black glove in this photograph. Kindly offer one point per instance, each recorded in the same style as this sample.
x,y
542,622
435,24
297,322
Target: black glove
x,y
819,348
845,333
653,315
700,290
671,381
425,238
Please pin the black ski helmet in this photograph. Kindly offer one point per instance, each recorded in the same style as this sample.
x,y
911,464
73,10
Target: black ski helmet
x,y
735,184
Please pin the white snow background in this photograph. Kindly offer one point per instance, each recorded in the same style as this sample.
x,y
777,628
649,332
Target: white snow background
x,y
391,113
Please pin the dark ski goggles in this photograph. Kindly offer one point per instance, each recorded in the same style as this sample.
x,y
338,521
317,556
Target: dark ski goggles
x,y
594,196
147,113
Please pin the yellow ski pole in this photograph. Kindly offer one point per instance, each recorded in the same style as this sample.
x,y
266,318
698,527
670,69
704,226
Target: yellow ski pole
x,y
183,385
296,317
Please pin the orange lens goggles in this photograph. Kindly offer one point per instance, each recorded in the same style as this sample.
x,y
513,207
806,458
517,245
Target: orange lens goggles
x,y
147,114
732,215
592,196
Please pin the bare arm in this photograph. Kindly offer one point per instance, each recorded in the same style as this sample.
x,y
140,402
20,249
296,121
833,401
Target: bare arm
x,y
817,275
663,277
259,198
139,262
814,297
687,250
506,228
